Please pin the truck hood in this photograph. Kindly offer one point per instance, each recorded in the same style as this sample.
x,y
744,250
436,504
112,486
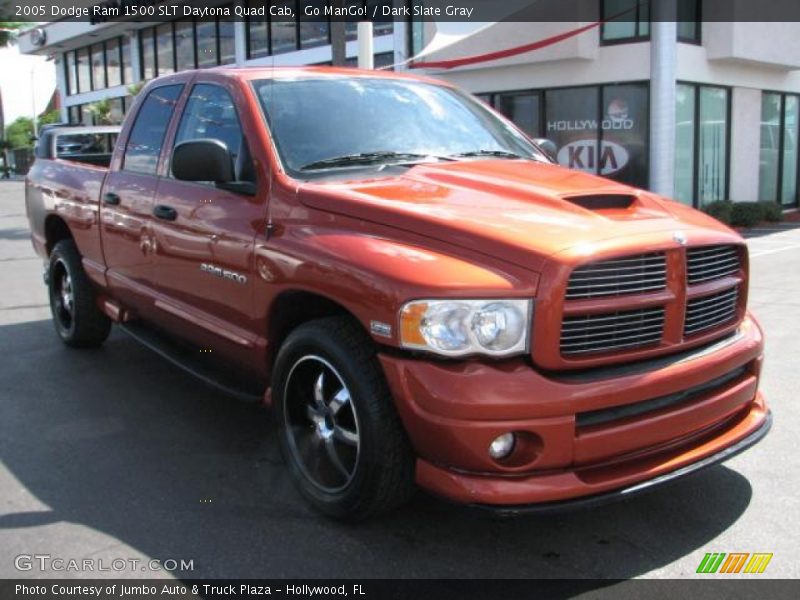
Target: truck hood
x,y
518,211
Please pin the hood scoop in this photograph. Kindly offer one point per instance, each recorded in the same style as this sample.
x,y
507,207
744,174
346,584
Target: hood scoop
x,y
603,201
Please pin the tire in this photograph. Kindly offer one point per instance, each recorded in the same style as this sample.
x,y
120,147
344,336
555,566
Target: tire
x,y
73,302
332,404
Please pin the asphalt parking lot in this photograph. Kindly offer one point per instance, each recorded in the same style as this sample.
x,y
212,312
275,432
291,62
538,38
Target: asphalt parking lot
x,y
114,453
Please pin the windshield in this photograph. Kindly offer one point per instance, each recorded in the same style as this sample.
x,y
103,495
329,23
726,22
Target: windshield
x,y
330,123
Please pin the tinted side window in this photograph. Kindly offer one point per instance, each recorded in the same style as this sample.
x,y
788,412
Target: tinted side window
x,y
147,135
210,114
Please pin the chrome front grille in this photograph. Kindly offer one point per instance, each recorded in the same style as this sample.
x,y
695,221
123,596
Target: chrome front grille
x,y
712,311
628,275
612,331
711,262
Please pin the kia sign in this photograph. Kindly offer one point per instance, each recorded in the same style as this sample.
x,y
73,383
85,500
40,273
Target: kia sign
x,y
583,156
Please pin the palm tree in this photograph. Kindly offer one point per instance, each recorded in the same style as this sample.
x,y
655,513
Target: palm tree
x,y
8,32
101,110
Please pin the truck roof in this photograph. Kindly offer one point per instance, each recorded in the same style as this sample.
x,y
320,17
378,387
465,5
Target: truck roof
x,y
267,72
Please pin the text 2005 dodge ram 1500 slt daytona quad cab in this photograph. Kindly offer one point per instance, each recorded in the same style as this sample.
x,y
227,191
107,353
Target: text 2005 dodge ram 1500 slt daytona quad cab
x,y
412,285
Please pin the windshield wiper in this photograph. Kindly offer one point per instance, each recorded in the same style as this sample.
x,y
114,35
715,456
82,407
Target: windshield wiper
x,y
494,153
368,158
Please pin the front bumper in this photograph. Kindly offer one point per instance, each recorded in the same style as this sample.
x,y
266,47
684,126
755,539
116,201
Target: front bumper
x,y
452,412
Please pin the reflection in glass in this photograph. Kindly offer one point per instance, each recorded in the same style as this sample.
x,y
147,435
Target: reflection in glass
x,y
314,31
283,30
72,74
770,146
147,135
522,109
684,144
166,49
113,68
84,78
184,45
571,123
712,144
790,154
98,67
625,19
147,53
206,32
383,23
125,57
257,32
227,46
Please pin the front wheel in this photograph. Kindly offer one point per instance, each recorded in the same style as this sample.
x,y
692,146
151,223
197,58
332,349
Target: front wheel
x,y
339,432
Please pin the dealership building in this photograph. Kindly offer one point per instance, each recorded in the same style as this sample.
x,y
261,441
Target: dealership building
x,y
699,111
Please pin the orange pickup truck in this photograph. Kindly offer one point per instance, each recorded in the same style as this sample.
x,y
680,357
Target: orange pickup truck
x,y
418,292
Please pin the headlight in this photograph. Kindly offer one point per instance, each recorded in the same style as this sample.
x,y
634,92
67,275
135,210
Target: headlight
x,y
462,327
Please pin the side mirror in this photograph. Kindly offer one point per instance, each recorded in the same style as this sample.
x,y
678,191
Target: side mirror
x,y
203,160
548,147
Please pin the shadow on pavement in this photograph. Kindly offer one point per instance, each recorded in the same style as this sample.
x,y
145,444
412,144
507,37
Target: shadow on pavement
x,y
119,441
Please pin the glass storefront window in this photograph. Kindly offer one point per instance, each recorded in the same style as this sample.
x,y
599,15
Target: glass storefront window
x,y
314,31
74,114
770,147
712,144
257,32
351,26
283,31
625,20
98,67
83,70
125,58
624,127
206,32
184,45
701,144
689,20
790,152
571,123
684,144
72,73
113,67
117,111
381,25
227,46
147,53
522,109
165,49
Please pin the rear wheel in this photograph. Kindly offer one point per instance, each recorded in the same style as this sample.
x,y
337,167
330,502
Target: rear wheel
x,y
339,431
73,302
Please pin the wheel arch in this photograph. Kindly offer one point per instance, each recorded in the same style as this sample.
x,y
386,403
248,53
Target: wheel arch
x,y
55,230
294,307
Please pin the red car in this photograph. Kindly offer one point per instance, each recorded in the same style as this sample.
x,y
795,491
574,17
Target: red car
x,y
421,295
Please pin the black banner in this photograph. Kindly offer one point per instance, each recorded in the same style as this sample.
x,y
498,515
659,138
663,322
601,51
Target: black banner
x,y
98,11
381,589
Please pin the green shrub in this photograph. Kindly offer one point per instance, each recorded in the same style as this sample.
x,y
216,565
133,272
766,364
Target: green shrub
x,y
772,211
721,210
747,214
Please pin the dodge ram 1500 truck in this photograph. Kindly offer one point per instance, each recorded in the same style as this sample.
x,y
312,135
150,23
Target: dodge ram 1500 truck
x,y
412,285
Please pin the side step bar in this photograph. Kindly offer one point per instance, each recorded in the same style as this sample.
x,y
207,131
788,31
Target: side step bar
x,y
205,368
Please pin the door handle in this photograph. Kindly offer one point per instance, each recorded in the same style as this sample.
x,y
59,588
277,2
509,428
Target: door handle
x,y
111,199
167,213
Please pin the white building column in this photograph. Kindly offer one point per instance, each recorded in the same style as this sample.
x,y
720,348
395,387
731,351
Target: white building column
x,y
663,76
240,42
745,141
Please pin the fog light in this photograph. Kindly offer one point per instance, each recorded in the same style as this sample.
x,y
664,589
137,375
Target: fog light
x,y
502,446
